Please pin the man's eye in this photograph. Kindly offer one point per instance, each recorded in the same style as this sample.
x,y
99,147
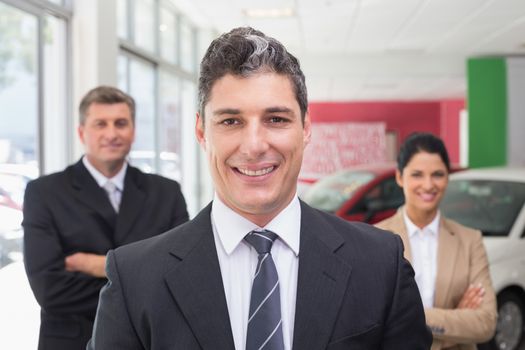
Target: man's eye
x,y
278,120
229,121
121,123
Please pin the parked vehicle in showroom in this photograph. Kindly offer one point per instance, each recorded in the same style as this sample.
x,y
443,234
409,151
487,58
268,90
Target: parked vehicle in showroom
x,y
367,193
492,200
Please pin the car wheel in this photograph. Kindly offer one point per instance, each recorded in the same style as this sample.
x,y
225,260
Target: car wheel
x,y
509,330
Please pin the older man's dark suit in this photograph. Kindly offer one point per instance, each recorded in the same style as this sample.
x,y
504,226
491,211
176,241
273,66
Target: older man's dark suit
x,y
355,291
68,212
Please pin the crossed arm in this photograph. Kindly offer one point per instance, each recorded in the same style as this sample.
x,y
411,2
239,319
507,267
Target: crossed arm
x,y
474,318
90,264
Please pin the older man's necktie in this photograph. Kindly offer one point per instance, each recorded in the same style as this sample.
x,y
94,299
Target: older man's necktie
x,y
112,191
264,320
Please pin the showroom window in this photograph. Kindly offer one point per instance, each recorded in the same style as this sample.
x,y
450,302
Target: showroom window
x,y
34,101
156,65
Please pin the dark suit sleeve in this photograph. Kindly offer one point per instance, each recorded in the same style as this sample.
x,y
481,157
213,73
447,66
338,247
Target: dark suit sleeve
x,y
112,315
405,327
55,289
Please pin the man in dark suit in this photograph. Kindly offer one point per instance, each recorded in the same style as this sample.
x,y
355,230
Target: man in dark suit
x,y
258,268
72,218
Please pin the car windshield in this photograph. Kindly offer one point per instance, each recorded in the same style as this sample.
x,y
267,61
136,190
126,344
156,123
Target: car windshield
x,y
490,206
330,193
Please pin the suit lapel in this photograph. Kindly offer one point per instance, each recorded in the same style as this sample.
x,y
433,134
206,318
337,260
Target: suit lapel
x,y
196,284
133,199
448,248
87,191
322,282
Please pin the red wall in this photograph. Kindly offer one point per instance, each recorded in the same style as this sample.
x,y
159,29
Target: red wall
x,y
450,132
438,117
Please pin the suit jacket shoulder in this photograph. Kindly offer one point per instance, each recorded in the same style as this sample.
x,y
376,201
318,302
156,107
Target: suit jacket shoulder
x,y
464,232
356,235
50,181
146,179
362,272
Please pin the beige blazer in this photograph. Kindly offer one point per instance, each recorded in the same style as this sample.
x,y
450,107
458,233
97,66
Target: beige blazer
x,y
462,261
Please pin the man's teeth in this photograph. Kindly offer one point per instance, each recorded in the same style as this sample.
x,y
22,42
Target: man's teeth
x,y
256,172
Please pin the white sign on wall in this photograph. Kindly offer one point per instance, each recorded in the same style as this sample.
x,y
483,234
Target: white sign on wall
x,y
335,146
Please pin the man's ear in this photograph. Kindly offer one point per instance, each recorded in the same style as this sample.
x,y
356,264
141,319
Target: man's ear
x,y
80,132
199,131
307,129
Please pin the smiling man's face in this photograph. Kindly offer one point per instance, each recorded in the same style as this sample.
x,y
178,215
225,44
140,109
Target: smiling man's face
x,y
254,139
107,134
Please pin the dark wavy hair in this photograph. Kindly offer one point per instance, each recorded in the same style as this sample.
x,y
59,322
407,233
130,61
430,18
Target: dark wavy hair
x,y
246,51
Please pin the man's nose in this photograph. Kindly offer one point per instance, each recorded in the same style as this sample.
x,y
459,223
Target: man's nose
x,y
111,131
254,140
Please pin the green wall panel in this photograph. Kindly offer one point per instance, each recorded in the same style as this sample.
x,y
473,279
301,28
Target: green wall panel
x,y
487,111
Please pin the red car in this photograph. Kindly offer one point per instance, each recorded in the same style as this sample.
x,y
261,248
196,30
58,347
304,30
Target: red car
x,y
367,193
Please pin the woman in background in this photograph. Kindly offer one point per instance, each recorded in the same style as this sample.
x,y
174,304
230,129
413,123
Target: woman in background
x,y
450,262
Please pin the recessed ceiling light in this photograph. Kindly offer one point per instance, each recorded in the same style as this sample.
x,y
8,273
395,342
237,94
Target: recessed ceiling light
x,y
269,12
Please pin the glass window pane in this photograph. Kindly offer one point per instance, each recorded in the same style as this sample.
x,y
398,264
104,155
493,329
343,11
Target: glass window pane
x,y
168,31
18,86
169,126
187,44
142,88
122,19
55,94
145,24
122,72
18,164
200,191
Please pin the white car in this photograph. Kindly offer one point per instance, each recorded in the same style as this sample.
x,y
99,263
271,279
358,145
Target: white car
x,y
492,200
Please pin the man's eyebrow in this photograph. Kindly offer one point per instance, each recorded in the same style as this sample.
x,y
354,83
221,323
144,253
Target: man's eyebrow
x,y
278,109
223,111
234,111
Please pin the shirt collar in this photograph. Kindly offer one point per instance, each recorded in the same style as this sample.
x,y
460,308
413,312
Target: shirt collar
x,y
232,227
412,229
101,180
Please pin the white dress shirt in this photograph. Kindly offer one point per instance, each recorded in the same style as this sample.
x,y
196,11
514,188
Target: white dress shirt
x,y
118,179
424,246
238,260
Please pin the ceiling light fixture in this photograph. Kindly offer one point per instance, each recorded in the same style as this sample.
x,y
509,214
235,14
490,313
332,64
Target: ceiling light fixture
x,y
269,13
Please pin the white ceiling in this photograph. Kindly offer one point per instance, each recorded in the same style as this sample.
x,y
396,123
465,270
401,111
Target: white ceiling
x,y
354,50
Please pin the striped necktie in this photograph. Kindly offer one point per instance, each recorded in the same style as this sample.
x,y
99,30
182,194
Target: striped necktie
x,y
264,321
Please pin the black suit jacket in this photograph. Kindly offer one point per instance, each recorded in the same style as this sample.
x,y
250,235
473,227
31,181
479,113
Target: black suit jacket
x,y
68,212
355,291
